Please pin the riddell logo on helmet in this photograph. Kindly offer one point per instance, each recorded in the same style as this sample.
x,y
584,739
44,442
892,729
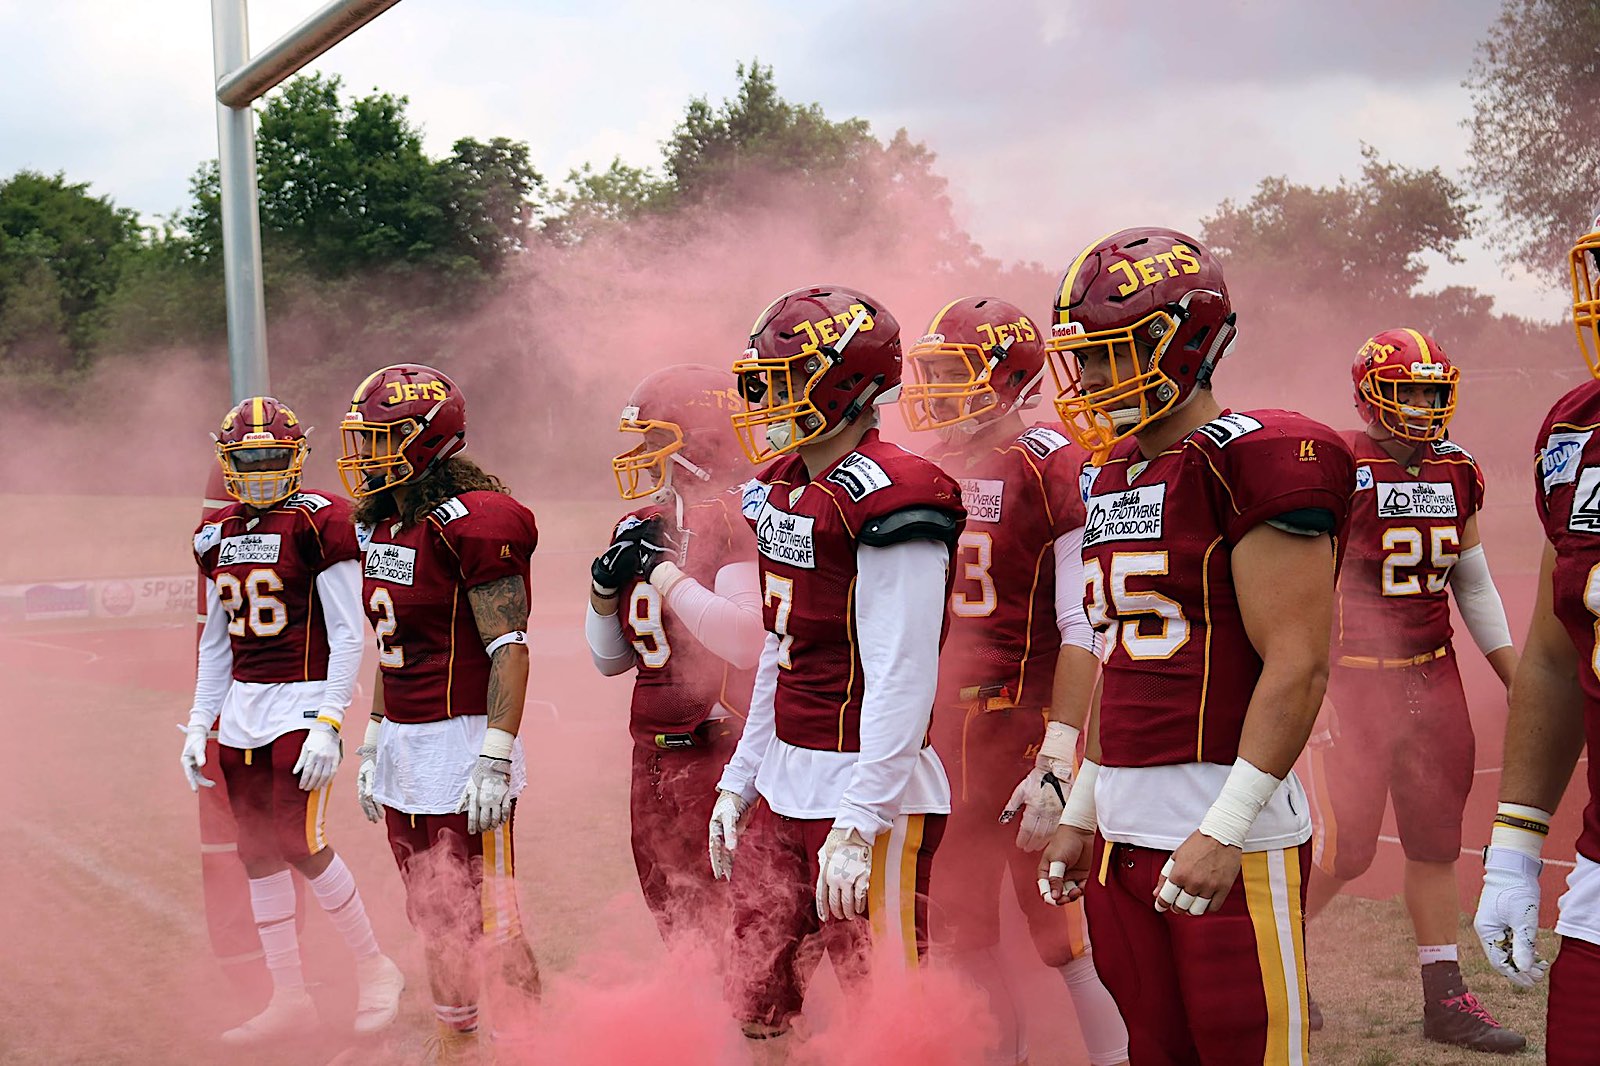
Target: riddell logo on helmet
x,y
1143,272
1427,370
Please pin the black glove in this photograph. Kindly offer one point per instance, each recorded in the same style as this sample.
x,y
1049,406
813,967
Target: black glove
x,y
655,546
614,567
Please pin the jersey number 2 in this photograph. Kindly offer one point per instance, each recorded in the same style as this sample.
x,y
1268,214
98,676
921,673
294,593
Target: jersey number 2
x,y
391,655
1404,545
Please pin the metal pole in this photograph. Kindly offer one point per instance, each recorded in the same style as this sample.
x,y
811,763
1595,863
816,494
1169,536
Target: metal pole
x,y
241,225
241,82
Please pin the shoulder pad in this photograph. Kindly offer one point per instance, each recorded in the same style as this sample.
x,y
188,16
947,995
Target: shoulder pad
x,y
1042,440
911,523
449,510
308,501
1306,522
859,476
207,537
1228,428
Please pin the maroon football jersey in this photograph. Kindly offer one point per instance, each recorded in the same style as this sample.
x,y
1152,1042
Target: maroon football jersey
x,y
415,592
1404,536
265,566
1567,494
1158,581
1020,496
806,534
678,682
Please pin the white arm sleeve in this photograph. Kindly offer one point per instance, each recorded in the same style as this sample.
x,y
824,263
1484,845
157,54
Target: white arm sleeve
x,y
1479,601
340,588
900,600
1071,619
727,620
739,776
214,663
608,645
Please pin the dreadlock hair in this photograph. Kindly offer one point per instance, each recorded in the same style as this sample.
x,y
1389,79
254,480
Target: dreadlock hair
x,y
452,477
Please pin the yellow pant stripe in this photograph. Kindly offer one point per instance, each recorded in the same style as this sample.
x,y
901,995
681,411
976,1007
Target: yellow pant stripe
x,y
908,887
1077,931
1275,915
1325,849
497,894
877,888
316,812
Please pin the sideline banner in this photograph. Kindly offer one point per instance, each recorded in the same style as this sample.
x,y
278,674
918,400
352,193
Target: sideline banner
x,y
100,598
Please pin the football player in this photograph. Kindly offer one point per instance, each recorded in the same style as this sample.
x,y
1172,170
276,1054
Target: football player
x,y
676,599
1018,671
844,797
1555,704
1209,558
445,586
1397,722
276,669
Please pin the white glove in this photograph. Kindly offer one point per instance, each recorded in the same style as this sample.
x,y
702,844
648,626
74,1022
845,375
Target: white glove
x,y
319,757
487,797
1508,915
727,817
194,757
1043,793
845,872
367,775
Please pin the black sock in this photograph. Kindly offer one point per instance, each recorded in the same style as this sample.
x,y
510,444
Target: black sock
x,y
1442,981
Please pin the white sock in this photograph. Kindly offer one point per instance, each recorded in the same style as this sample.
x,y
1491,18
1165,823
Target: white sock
x,y
1427,953
460,1019
1105,1036
336,891
272,904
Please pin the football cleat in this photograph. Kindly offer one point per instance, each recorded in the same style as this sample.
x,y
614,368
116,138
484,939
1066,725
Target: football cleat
x,y
381,983
288,1013
450,1047
1464,1022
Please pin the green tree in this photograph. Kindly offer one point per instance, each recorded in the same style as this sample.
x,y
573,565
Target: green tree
x,y
1364,240
1535,87
596,200
61,254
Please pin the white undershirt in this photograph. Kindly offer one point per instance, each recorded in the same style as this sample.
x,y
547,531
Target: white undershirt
x,y
724,619
253,714
1160,806
1072,621
899,611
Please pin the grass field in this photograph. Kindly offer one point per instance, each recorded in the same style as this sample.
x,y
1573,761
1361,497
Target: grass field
x,y
102,939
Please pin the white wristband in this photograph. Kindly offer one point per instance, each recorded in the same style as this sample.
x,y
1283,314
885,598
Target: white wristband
x,y
1060,742
497,744
370,738
1527,840
516,636
1079,811
665,575
1246,791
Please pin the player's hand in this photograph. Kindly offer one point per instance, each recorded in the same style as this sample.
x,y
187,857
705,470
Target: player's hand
x,y
1040,797
367,782
319,757
656,545
1064,866
194,757
1508,915
487,797
1198,876
844,863
614,567
727,818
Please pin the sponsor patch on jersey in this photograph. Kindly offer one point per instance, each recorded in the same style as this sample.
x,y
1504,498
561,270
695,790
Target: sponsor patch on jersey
x,y
207,538
786,538
1131,515
1042,440
1225,430
1364,479
394,563
1585,516
982,497
250,548
1417,499
364,531
1086,478
450,510
1560,458
859,476
752,496
311,501
1449,447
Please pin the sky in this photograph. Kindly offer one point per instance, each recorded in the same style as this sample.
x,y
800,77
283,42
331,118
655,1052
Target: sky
x,y
1055,120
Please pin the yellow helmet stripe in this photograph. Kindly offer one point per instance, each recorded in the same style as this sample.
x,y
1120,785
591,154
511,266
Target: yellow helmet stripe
x,y
933,327
355,398
1422,344
258,413
1064,297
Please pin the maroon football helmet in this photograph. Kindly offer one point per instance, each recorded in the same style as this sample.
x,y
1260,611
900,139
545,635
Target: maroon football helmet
x,y
681,413
817,357
403,421
1153,303
263,434
981,358
1393,360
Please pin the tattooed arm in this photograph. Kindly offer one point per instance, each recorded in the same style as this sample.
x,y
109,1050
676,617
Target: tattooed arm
x,y
501,607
